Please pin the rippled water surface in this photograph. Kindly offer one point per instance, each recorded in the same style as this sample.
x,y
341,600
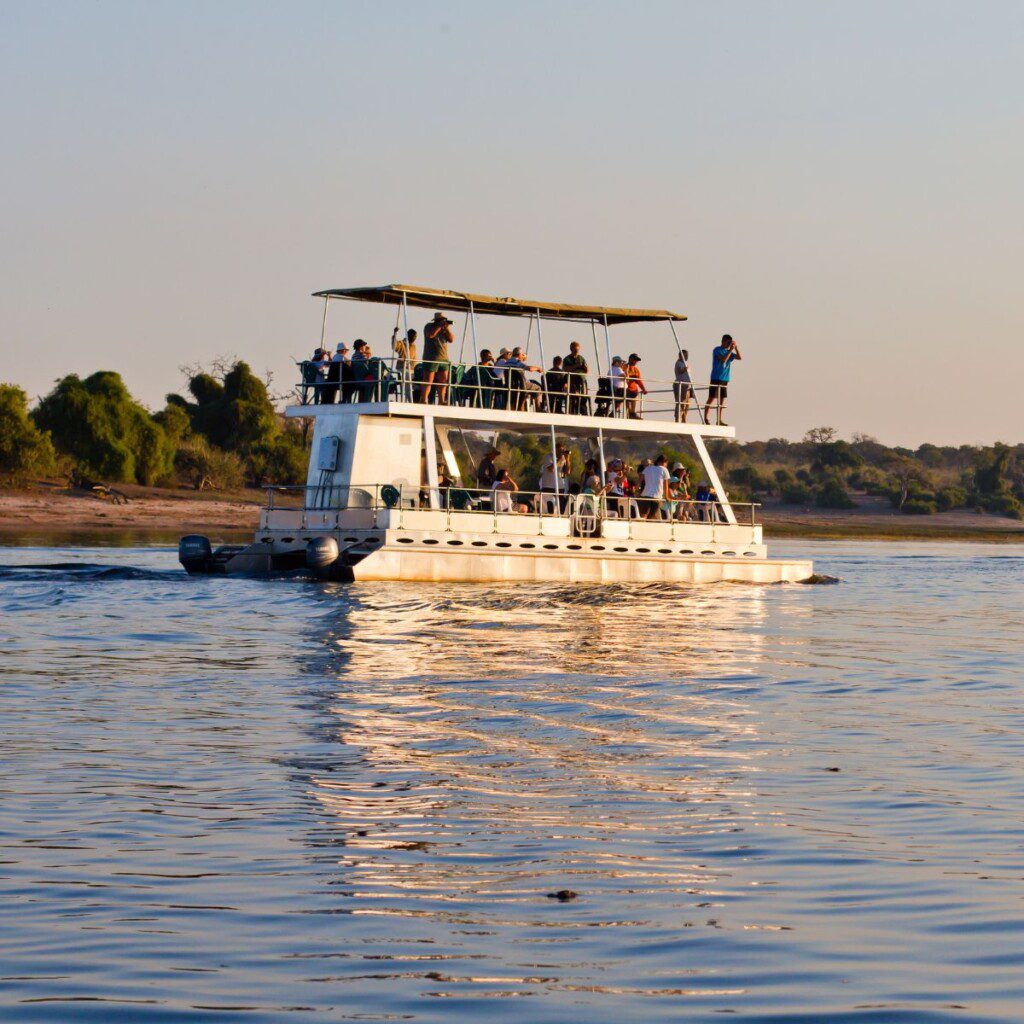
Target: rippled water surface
x,y
282,801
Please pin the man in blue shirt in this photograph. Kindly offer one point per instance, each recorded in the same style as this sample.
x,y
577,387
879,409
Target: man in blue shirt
x,y
721,365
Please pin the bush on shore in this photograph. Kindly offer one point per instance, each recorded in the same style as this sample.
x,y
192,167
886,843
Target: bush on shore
x,y
25,450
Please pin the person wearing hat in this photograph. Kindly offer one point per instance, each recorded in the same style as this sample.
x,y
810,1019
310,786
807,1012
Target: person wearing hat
x,y
487,471
679,487
554,474
338,362
501,396
634,386
437,336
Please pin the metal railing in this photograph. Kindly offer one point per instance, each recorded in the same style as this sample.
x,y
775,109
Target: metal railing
x,y
509,388
539,504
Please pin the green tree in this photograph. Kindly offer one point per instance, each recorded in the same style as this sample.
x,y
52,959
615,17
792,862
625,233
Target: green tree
x,y
104,430
25,450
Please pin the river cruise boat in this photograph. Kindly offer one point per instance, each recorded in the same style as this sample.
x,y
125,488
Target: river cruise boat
x,y
386,497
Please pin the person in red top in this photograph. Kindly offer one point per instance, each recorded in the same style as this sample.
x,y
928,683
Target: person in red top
x,y
634,386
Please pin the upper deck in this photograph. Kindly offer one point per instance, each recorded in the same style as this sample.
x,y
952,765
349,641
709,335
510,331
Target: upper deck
x,y
530,421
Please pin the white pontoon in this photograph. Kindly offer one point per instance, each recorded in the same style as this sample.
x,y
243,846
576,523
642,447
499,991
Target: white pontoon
x,y
376,507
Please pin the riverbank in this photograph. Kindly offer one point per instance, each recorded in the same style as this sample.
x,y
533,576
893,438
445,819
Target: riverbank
x,y
50,514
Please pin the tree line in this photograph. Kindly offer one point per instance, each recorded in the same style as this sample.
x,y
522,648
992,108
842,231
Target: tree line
x,y
226,433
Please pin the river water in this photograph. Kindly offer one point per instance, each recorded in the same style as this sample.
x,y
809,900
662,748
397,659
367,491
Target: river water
x,y
286,801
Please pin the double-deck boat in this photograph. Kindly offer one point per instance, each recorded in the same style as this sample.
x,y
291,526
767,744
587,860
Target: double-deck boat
x,y
386,499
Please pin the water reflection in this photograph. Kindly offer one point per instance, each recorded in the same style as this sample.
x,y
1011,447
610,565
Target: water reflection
x,y
496,744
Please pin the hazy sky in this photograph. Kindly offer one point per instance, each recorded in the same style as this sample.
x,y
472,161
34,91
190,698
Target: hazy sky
x,y
839,185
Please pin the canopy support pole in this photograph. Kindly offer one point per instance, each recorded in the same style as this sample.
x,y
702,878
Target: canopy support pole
x,y
705,458
430,453
597,353
323,326
544,391
472,322
608,351
408,364
600,454
462,343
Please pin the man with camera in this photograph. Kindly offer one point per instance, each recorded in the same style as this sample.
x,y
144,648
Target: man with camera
x,y
437,336
722,359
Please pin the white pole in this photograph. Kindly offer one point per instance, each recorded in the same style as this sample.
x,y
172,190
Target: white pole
x,y
430,451
323,326
679,348
472,321
407,365
543,377
611,382
597,354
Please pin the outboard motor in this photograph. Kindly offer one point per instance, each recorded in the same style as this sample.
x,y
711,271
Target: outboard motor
x,y
321,553
195,554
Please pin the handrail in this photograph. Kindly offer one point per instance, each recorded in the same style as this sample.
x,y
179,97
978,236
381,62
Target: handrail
x,y
474,500
509,388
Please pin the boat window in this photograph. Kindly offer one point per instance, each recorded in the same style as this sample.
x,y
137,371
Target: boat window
x,y
430,540
597,547
664,551
527,545
455,543
574,547
707,552
405,540
620,549
479,543
731,554
644,551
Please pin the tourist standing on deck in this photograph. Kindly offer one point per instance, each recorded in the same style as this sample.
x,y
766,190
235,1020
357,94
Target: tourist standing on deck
x,y
405,360
721,364
334,369
487,471
437,336
655,487
683,386
576,366
634,386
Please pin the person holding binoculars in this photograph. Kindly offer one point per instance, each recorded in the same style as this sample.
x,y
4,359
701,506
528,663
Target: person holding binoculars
x,y
437,336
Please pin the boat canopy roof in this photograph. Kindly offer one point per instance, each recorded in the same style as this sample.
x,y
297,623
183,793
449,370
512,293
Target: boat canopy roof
x,y
439,299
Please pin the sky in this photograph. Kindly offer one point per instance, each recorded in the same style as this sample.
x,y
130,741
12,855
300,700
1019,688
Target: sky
x,y
837,185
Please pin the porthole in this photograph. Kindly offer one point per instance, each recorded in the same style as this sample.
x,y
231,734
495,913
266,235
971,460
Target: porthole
x,y
664,551
479,543
707,552
527,545
375,540
287,540
574,547
405,540
750,554
267,540
455,543
430,540
686,551
620,549
551,547
643,551
503,544
351,540
731,554
597,547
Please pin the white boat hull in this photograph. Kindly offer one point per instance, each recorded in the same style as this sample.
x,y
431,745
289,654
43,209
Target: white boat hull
x,y
447,566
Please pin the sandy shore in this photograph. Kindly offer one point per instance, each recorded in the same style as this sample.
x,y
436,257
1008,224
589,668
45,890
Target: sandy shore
x,y
44,514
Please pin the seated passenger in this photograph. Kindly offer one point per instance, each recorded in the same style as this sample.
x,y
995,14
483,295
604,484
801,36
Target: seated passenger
x,y
679,485
334,372
556,386
488,382
521,390
576,369
502,490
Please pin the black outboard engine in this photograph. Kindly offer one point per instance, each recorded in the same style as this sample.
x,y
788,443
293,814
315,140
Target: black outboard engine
x,y
195,554
321,553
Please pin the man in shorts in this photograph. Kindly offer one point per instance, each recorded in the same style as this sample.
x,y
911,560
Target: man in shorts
x,y
721,364
655,487
437,336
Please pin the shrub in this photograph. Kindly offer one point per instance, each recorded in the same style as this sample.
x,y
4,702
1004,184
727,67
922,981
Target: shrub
x,y
108,435
796,493
202,465
919,507
832,493
950,497
25,450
